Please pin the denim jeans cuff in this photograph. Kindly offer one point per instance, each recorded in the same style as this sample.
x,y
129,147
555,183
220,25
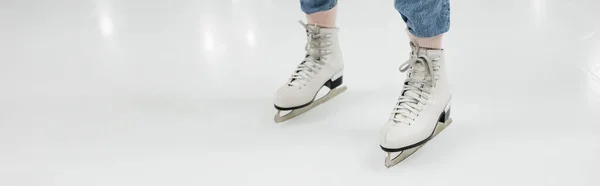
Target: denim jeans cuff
x,y
308,9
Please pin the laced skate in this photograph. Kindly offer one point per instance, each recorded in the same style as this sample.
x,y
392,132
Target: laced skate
x,y
319,73
422,110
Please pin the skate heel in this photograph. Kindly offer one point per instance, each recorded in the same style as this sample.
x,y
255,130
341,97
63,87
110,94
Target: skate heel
x,y
445,116
335,81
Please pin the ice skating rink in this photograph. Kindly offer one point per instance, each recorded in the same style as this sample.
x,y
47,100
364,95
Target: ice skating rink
x,y
179,93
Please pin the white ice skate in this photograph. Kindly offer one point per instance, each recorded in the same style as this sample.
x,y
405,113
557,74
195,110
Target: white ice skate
x,y
320,72
423,108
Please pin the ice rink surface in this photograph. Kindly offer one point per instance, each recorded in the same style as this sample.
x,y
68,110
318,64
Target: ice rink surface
x,y
179,93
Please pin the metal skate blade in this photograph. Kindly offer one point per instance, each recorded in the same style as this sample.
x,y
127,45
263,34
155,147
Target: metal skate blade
x,y
296,112
282,116
390,162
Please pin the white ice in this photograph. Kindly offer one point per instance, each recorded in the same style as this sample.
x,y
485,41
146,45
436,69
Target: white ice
x,y
179,93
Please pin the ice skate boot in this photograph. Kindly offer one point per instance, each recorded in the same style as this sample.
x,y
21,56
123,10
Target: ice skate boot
x,y
423,108
316,79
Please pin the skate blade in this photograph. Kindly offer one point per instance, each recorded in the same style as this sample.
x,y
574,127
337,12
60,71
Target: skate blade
x,y
331,94
390,162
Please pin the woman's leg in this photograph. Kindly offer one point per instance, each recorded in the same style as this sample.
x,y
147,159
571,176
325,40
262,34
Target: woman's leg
x,y
422,110
320,12
322,66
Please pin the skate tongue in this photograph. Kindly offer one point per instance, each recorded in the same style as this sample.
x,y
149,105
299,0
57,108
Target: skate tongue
x,y
313,56
418,73
302,73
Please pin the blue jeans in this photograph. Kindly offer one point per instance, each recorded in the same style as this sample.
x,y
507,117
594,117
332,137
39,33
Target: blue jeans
x,y
424,18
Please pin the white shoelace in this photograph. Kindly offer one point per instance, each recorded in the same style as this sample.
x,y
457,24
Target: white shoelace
x,y
417,88
316,49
